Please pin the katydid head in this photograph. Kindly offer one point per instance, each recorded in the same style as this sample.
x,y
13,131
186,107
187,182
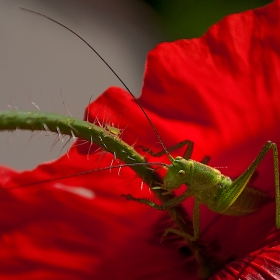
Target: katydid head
x,y
179,172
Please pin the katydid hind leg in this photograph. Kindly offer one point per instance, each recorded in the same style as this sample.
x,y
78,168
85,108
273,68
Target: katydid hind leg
x,y
245,177
241,182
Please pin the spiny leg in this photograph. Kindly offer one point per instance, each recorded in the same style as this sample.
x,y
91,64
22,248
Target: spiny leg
x,y
196,225
187,153
206,160
189,149
171,149
170,203
145,201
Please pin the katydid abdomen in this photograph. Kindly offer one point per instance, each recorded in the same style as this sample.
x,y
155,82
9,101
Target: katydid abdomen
x,y
249,201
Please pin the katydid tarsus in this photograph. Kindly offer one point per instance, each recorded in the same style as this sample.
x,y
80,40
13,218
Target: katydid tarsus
x,y
206,184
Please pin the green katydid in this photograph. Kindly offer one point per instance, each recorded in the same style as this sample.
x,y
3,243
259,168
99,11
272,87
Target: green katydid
x,y
218,192
206,184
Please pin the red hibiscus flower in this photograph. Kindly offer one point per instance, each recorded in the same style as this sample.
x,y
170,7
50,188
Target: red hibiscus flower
x,y
221,92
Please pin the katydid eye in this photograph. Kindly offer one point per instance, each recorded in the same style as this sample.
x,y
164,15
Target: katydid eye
x,y
181,172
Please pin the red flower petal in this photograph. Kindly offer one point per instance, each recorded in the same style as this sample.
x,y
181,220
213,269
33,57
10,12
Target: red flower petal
x,y
221,91
262,264
52,232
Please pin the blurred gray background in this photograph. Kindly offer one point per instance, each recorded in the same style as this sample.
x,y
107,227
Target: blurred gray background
x,y
43,63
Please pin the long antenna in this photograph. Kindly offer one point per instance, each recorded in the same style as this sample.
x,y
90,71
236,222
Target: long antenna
x,y
117,76
85,173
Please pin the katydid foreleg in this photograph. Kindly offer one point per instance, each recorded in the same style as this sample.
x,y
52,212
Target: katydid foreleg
x,y
187,153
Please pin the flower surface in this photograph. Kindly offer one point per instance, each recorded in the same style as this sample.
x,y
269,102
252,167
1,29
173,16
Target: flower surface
x,y
220,91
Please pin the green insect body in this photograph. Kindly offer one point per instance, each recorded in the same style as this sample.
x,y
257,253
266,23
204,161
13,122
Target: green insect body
x,y
209,187
217,191
114,130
